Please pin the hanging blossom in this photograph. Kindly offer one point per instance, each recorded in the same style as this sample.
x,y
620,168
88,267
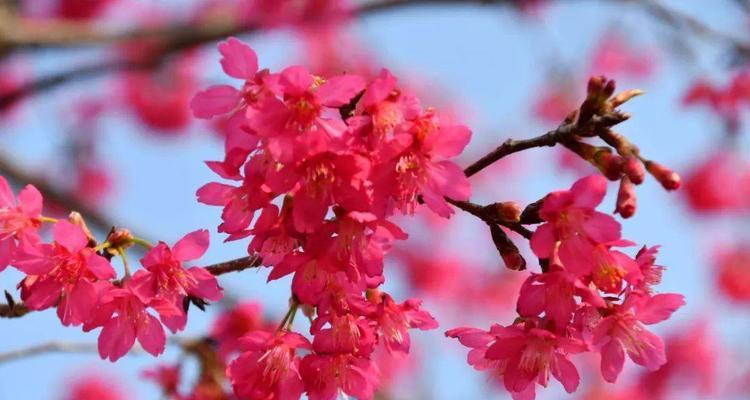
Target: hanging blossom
x,y
589,297
321,167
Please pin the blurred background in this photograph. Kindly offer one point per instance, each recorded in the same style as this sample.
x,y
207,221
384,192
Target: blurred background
x,y
108,125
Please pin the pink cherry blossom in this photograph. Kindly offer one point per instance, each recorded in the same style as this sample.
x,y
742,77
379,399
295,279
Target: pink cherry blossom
x,y
165,282
395,320
125,318
522,355
420,165
573,222
63,273
623,331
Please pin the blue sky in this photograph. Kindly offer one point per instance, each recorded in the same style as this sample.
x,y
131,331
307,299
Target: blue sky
x,y
489,59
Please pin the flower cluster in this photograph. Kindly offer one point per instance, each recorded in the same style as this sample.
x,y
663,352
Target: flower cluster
x,y
73,274
322,166
589,297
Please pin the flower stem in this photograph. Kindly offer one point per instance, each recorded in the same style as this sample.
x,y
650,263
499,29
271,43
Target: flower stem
x,y
143,243
124,261
49,220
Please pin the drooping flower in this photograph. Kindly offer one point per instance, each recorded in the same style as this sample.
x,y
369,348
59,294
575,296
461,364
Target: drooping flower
x,y
124,318
63,274
623,331
165,282
574,225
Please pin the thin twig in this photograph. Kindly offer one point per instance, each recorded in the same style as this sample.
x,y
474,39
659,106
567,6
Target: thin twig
x,y
57,346
559,135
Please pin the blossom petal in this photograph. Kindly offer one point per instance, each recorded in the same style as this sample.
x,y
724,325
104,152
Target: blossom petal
x,y
340,90
613,359
238,59
30,201
215,101
659,307
151,335
192,246
69,236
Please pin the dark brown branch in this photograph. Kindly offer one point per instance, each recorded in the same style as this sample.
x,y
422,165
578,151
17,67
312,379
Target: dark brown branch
x,y
13,311
559,135
236,265
489,217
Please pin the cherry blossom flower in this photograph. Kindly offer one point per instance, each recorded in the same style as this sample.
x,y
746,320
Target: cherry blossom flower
x,y
165,283
522,355
63,274
623,331
124,318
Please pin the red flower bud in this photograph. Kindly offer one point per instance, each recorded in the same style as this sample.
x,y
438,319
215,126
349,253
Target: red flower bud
x,y
626,198
609,164
634,170
669,179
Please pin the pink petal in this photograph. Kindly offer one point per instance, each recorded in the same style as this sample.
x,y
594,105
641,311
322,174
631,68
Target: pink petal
x,y
602,228
215,194
380,88
100,267
340,90
116,338
613,359
30,201
78,304
43,294
207,287
296,80
144,285
151,335
588,192
215,101
659,307
450,179
238,59
192,246
69,236
7,199
566,373
543,241
576,254
449,141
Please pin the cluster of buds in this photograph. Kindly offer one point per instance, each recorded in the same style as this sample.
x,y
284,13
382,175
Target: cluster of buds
x,y
618,159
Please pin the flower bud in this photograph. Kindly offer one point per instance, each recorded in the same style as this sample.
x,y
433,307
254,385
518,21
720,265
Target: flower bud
x,y
508,211
669,179
508,251
120,238
608,163
626,198
634,170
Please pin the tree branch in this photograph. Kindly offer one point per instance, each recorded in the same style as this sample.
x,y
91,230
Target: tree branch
x,y
562,133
